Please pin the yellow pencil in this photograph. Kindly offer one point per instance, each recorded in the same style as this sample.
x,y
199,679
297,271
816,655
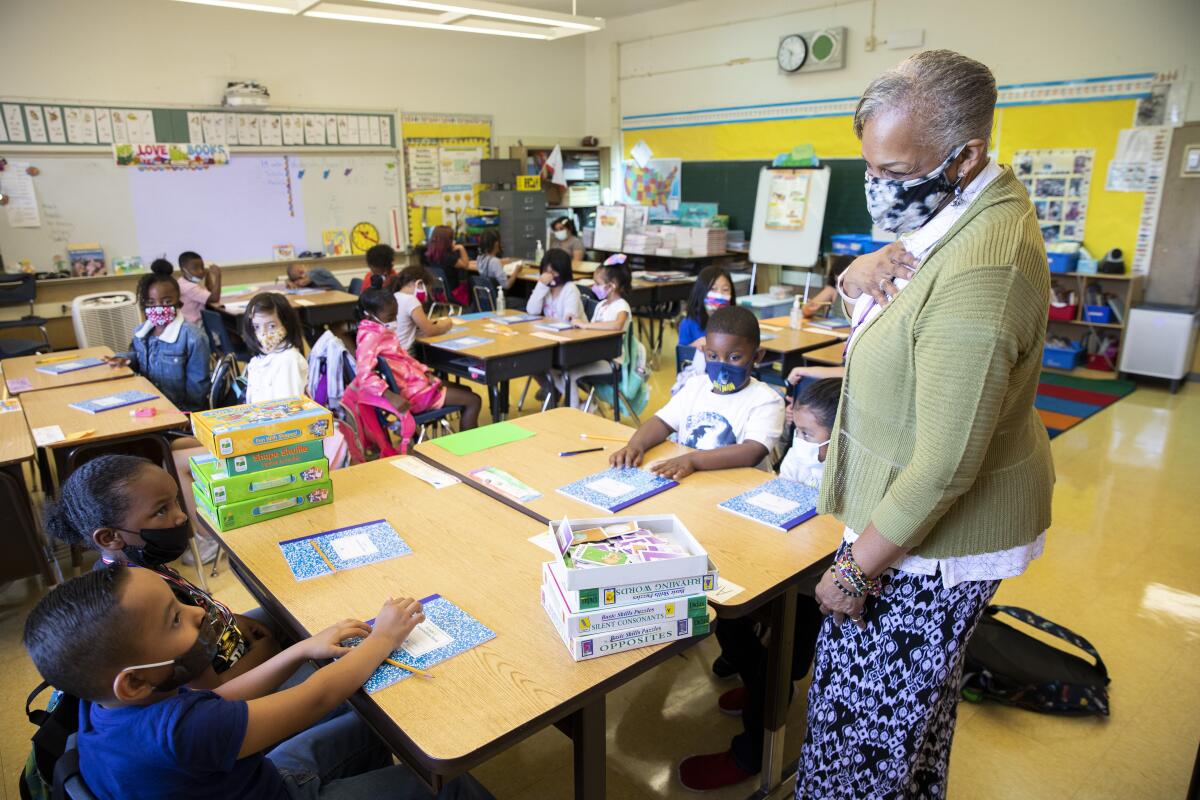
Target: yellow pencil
x,y
54,359
321,553
418,672
603,438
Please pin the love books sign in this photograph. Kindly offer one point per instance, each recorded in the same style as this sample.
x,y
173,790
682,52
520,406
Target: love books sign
x,y
170,156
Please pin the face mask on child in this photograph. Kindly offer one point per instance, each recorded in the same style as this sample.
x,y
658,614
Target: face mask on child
x,y
192,664
727,378
194,278
715,300
160,316
163,545
561,235
272,339
600,290
808,456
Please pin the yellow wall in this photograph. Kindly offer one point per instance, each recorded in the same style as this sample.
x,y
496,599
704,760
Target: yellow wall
x,y
1112,216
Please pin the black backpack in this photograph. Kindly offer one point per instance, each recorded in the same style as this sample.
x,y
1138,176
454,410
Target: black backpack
x,y
47,769
1012,667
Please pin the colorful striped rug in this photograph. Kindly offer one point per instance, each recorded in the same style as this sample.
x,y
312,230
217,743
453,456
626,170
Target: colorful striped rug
x,y
1063,401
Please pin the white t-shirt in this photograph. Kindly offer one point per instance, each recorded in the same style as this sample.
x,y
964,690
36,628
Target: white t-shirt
x,y
608,311
406,329
705,420
276,376
566,306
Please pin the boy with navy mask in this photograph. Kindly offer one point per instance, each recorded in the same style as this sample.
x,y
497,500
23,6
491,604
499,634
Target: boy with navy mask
x,y
730,418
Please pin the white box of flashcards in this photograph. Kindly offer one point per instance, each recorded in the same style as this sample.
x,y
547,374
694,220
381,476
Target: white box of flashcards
x,y
667,551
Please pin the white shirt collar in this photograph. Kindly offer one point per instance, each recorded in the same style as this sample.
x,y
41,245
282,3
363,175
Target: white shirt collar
x,y
922,240
169,334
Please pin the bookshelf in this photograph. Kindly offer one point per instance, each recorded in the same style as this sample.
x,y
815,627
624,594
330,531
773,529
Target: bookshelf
x,y
586,168
1125,289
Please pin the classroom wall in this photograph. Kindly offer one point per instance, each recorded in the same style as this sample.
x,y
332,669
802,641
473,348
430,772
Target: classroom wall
x,y
155,51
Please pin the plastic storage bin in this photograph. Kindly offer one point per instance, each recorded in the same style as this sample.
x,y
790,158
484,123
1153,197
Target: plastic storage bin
x,y
1062,357
1063,313
855,244
1097,313
1062,262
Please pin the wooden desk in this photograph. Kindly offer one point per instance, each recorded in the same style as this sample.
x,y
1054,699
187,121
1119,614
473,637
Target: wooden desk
x,y
16,445
24,551
766,563
26,367
830,355
791,345
53,407
471,550
316,309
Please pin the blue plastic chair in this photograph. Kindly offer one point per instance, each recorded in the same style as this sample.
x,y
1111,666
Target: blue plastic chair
x,y
437,417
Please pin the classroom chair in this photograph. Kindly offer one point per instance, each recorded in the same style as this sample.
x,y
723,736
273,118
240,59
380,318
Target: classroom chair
x,y
684,356
437,418
483,292
66,769
440,294
19,290
657,316
227,387
25,552
219,339
355,286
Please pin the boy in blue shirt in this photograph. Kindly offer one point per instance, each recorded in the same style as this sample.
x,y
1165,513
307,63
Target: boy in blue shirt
x,y
118,639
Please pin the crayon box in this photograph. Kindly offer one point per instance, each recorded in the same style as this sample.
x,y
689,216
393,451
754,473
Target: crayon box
x,y
222,488
254,427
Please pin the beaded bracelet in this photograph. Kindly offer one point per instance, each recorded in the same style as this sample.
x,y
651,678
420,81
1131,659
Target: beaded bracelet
x,y
849,571
843,589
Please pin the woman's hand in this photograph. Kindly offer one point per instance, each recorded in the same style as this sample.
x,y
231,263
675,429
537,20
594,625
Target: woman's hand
x,y
328,643
874,273
676,468
833,601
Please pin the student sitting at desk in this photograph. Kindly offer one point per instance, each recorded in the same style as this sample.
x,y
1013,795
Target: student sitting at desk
x,y
201,285
730,418
565,237
489,264
712,290
272,332
611,284
380,264
451,257
300,276
555,294
411,319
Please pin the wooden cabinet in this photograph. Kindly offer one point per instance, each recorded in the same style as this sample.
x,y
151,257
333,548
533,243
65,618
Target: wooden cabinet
x,y
1124,290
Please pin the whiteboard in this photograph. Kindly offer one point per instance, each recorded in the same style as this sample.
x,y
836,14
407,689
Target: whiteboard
x,y
787,247
229,214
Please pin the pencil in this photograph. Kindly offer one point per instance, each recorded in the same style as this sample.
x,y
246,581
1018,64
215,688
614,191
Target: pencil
x,y
418,672
54,359
603,438
321,553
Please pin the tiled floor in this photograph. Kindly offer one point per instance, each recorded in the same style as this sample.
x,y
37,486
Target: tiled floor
x,y
1122,567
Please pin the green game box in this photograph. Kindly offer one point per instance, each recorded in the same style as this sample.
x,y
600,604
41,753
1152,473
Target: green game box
x,y
248,512
222,488
272,459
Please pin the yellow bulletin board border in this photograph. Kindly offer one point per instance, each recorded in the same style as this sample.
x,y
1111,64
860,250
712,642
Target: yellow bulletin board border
x,y
424,129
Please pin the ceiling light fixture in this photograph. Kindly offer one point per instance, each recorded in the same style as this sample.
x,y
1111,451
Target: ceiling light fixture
x,y
359,14
278,8
498,11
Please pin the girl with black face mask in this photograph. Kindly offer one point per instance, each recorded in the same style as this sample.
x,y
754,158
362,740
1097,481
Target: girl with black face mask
x,y
128,509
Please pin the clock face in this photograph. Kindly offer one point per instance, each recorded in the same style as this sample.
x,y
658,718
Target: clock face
x,y
792,53
363,237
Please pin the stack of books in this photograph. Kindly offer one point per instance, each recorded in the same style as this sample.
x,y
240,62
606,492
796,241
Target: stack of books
x,y
623,583
264,460
643,242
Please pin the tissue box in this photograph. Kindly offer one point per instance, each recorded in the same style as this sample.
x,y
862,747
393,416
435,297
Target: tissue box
x,y
248,512
254,427
222,488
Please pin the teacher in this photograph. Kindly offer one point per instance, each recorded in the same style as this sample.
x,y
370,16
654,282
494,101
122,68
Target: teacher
x,y
939,466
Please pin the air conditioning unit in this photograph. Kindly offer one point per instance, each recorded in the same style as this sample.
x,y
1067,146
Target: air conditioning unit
x,y
107,319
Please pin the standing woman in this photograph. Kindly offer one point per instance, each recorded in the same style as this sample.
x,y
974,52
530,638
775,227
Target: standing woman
x,y
564,236
938,466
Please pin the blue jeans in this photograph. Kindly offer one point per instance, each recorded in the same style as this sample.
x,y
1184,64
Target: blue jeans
x,y
341,759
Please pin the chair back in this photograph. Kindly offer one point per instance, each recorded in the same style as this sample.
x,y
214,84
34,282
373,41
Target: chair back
x,y
356,286
225,390
219,340
483,291
589,303
18,289
684,355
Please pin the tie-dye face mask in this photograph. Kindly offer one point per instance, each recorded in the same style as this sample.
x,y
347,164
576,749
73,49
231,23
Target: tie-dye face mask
x,y
903,206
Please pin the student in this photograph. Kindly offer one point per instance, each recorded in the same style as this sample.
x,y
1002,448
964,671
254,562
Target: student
x,y
713,290
300,276
411,319
489,264
813,414
380,260
730,418
827,297
272,332
564,236
611,284
201,287
166,350
420,390
451,257
555,294
125,646
127,509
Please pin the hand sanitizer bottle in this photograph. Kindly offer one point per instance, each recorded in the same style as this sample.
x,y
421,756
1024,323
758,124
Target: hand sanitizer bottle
x,y
797,314
539,254
500,299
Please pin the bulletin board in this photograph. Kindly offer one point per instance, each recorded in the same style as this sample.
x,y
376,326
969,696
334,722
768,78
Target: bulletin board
x,y
441,155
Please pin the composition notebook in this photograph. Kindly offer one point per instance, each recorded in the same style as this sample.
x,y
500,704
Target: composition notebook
x,y
462,342
780,503
342,548
446,632
110,401
70,366
617,488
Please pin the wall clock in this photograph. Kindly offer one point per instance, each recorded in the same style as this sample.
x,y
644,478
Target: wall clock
x,y
792,52
363,237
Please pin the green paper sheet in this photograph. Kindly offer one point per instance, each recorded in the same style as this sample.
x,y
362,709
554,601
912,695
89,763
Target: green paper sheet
x,y
467,442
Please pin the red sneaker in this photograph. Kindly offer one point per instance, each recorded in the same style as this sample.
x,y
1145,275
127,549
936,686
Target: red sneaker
x,y
710,772
733,701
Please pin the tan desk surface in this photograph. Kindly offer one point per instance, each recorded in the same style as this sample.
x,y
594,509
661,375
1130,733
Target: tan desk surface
x,y
326,297
26,367
830,354
469,549
500,346
53,407
530,328
786,322
15,442
787,340
750,555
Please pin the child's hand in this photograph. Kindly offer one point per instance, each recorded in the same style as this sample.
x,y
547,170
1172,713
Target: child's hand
x,y
397,619
814,372
676,468
873,273
628,456
546,278
116,361
328,643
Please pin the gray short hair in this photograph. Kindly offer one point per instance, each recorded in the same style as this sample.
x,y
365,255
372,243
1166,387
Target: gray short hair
x,y
951,96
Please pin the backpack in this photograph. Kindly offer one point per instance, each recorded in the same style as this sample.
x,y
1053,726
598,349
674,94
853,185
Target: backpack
x,y
1011,667
634,384
46,769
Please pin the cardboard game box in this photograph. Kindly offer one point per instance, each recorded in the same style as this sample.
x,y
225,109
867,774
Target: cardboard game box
x,y
254,427
272,459
222,488
587,623
248,512
631,593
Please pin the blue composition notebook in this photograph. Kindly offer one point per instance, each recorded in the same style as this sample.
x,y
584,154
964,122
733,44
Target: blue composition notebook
x,y
617,488
462,342
517,320
343,548
446,632
780,503
70,366
110,401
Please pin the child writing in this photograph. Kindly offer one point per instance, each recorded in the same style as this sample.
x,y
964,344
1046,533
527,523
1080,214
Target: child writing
x,y
731,419
166,350
120,641
612,282
713,290
812,413
555,294
127,508
488,262
272,332
201,287
379,265
411,319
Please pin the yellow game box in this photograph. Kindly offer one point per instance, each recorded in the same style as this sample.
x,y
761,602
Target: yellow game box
x,y
254,427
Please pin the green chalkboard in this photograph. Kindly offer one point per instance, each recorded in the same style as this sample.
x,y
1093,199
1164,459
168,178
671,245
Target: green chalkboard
x,y
733,185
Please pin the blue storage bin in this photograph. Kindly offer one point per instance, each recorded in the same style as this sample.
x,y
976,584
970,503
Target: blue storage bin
x,y
1063,262
855,244
1097,313
1062,357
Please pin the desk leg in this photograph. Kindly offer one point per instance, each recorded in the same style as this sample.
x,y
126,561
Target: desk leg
x,y
779,680
588,734
494,401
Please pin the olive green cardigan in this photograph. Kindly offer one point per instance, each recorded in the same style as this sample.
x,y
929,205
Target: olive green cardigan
x,y
936,440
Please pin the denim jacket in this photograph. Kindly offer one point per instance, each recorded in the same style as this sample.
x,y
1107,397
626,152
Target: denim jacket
x,y
175,362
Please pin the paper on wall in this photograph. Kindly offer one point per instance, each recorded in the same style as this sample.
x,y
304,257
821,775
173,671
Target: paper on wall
x,y
3,129
1059,182
314,129
120,130
641,153
372,127
37,123
22,208
364,130
213,126
331,129
293,129
385,131
14,122
247,127
347,129
104,131
81,125
1156,168
423,173
54,124
196,127
270,130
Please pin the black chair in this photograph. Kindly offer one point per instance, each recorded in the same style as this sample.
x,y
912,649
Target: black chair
x,y
436,417
74,787
589,303
226,388
483,291
355,286
219,339
18,290
440,293
684,356
25,554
